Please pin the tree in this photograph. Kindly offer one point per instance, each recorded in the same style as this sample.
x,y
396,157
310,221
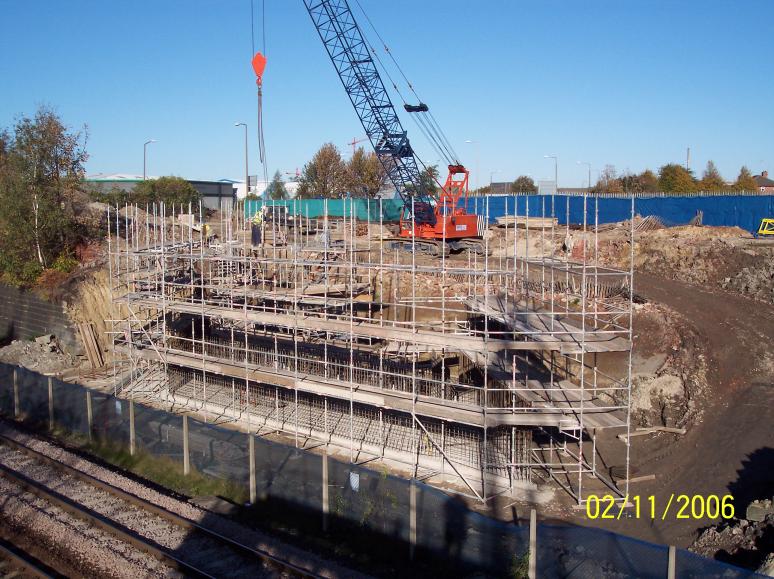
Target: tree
x,y
428,179
608,181
41,198
276,189
645,182
711,180
674,178
745,181
365,174
648,181
523,184
169,190
324,176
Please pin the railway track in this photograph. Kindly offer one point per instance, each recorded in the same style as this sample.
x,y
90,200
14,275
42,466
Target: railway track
x,y
179,543
15,562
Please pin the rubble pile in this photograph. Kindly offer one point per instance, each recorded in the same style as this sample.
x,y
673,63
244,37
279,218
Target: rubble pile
x,y
755,282
43,355
744,542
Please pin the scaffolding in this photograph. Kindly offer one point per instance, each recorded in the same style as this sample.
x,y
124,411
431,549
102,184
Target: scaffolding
x,y
480,368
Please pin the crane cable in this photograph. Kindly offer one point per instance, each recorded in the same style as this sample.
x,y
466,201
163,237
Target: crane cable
x,y
428,134
436,146
434,143
261,142
431,125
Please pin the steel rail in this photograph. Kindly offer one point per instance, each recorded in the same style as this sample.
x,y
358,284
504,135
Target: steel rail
x,y
20,558
84,513
166,514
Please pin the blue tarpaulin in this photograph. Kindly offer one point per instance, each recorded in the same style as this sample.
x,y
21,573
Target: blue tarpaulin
x,y
745,211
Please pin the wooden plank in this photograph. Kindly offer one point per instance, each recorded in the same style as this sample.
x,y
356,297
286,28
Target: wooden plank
x,y
90,346
543,327
526,222
652,430
636,479
398,334
362,393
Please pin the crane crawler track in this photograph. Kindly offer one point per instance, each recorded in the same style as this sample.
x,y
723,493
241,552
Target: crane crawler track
x,y
125,534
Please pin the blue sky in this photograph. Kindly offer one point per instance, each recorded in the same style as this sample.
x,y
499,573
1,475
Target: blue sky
x,y
631,83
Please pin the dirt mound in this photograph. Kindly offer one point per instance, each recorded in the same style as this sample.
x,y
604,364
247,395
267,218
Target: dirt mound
x,y
745,543
41,355
756,282
715,257
669,373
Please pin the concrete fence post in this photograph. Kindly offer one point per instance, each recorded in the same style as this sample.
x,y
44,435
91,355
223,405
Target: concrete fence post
x,y
132,436
325,491
672,565
50,403
532,544
412,518
89,415
186,453
16,405
251,450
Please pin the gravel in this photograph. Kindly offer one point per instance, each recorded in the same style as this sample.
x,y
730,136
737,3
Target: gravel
x,y
191,546
225,527
71,542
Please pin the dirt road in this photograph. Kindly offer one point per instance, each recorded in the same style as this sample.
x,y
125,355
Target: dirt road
x,y
731,450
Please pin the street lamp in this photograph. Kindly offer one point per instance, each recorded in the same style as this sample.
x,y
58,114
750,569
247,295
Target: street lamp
x,y
247,170
556,171
589,167
145,156
472,142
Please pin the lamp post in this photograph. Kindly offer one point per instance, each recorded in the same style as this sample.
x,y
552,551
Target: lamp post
x,y
145,156
556,171
472,142
589,167
247,169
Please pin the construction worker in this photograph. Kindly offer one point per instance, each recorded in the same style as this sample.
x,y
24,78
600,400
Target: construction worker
x,y
256,228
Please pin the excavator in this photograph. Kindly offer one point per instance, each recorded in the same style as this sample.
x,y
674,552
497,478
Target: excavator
x,y
430,223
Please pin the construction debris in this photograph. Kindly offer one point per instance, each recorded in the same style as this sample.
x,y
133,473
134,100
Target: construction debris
x,y
42,355
741,542
90,345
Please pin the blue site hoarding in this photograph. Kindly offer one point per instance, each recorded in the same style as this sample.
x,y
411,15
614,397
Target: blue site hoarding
x,y
744,211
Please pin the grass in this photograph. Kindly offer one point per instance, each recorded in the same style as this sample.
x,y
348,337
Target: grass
x,y
161,470
351,543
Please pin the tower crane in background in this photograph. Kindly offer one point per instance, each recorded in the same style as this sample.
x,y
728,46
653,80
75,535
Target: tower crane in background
x,y
355,142
430,223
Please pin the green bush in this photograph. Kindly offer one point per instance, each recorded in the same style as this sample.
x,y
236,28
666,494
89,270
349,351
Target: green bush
x,y
65,263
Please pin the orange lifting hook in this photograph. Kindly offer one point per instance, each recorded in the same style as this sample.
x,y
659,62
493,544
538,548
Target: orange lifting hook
x,y
259,63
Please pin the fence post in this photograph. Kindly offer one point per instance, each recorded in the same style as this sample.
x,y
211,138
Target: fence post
x,y
132,439
532,544
186,454
89,414
50,403
412,518
251,450
325,491
671,568
16,405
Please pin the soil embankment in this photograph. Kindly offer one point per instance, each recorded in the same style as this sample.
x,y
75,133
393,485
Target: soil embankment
x,y
729,449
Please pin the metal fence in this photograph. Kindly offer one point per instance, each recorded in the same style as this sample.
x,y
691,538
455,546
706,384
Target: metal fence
x,y
343,496
731,209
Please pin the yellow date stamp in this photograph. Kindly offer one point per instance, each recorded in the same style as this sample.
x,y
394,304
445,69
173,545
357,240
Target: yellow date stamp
x,y
679,506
